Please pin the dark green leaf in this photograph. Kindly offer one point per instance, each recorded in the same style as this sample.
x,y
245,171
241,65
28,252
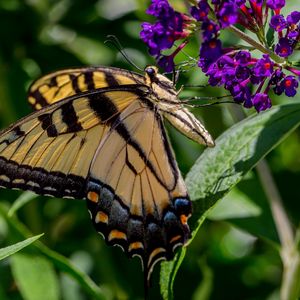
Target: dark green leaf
x,y
21,201
60,262
236,152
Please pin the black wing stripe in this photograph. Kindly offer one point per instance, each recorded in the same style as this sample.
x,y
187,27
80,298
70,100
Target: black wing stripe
x,y
89,80
103,107
47,124
39,98
53,82
74,81
110,79
70,117
126,135
168,150
14,135
41,178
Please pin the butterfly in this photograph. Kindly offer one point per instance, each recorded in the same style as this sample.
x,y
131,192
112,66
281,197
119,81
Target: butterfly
x,y
97,133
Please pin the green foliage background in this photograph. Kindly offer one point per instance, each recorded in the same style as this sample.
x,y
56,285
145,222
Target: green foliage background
x,y
234,254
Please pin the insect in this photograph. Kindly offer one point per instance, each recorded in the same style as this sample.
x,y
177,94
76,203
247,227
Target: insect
x,y
98,134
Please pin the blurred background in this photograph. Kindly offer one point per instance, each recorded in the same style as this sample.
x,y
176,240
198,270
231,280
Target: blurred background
x,y
235,254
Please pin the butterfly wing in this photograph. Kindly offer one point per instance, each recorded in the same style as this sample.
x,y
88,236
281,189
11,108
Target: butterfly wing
x,y
136,195
50,151
110,147
65,83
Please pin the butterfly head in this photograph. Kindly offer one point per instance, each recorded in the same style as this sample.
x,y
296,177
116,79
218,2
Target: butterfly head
x,y
162,87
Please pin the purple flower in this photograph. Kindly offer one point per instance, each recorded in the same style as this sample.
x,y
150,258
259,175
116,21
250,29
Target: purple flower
x,y
284,48
210,51
168,28
276,4
210,30
160,9
263,67
242,73
200,13
228,14
221,72
243,58
261,101
276,77
293,18
293,34
294,26
166,62
241,94
278,23
156,37
288,85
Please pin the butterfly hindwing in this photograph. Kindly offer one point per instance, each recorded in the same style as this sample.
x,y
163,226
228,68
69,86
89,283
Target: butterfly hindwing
x,y
136,195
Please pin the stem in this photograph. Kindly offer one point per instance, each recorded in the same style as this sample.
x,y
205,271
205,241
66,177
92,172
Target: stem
x,y
289,253
281,220
291,290
256,45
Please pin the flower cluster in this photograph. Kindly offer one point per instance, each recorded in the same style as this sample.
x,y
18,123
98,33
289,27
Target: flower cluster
x,y
288,31
249,79
169,27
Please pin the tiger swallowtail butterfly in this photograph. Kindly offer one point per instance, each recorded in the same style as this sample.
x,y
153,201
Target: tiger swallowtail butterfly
x,y
98,134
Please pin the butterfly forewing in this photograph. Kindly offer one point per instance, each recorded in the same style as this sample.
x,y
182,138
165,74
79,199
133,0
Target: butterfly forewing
x,y
61,84
50,151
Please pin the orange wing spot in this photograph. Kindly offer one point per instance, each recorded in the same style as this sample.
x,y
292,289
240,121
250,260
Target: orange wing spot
x,y
93,196
101,217
135,246
183,219
175,238
116,234
154,253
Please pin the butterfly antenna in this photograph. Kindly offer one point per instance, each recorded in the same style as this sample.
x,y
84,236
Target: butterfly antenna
x,y
214,103
188,100
116,43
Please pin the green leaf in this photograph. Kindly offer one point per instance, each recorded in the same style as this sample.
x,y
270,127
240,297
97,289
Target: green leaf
x,y
234,205
60,262
35,276
21,201
168,273
7,251
220,168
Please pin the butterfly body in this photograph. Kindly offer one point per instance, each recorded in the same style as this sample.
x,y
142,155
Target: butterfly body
x,y
98,135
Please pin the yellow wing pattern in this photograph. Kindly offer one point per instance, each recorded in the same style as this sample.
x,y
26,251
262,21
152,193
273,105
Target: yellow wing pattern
x,y
65,83
51,150
98,134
